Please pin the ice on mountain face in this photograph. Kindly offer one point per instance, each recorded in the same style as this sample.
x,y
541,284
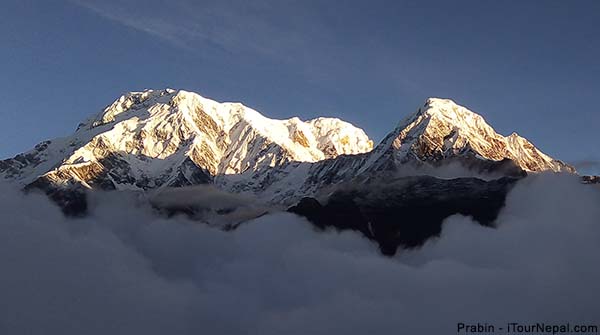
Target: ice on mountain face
x,y
143,140
442,129
336,137
153,139
133,101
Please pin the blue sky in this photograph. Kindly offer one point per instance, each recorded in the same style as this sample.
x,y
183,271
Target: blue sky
x,y
527,66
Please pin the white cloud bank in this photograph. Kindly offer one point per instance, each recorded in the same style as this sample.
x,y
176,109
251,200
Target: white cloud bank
x,y
125,271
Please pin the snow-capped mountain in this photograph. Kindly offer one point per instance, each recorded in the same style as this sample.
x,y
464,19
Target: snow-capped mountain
x,y
166,138
441,129
436,135
151,139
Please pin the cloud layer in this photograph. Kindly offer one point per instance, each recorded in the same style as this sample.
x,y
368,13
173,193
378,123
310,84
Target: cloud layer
x,y
125,271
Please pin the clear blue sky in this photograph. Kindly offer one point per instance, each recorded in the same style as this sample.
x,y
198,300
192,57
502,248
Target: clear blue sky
x,y
527,66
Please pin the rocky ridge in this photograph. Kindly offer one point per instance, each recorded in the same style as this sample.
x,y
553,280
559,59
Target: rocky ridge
x,y
441,160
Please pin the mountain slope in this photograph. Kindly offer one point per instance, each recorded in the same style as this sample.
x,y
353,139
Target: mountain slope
x,y
166,138
441,160
443,130
441,139
406,211
152,139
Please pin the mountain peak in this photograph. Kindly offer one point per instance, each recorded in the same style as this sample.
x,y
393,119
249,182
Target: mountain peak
x,y
167,137
162,138
442,129
449,111
435,101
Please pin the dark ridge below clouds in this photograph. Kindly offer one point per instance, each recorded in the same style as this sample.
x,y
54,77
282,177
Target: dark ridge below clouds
x,y
123,270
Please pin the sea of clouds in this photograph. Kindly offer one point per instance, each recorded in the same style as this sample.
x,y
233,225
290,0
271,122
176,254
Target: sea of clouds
x,y
125,270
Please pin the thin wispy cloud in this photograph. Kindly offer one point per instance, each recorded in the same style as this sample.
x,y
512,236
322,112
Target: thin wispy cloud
x,y
154,26
274,32
248,28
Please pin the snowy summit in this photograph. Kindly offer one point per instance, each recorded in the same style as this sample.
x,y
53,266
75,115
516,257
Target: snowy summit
x,y
166,138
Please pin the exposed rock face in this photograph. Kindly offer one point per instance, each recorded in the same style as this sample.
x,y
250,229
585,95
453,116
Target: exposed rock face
x,y
442,129
153,139
405,212
590,179
157,139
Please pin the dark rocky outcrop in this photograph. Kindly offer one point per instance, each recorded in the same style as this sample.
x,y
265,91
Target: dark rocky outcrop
x,y
405,212
590,179
71,200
